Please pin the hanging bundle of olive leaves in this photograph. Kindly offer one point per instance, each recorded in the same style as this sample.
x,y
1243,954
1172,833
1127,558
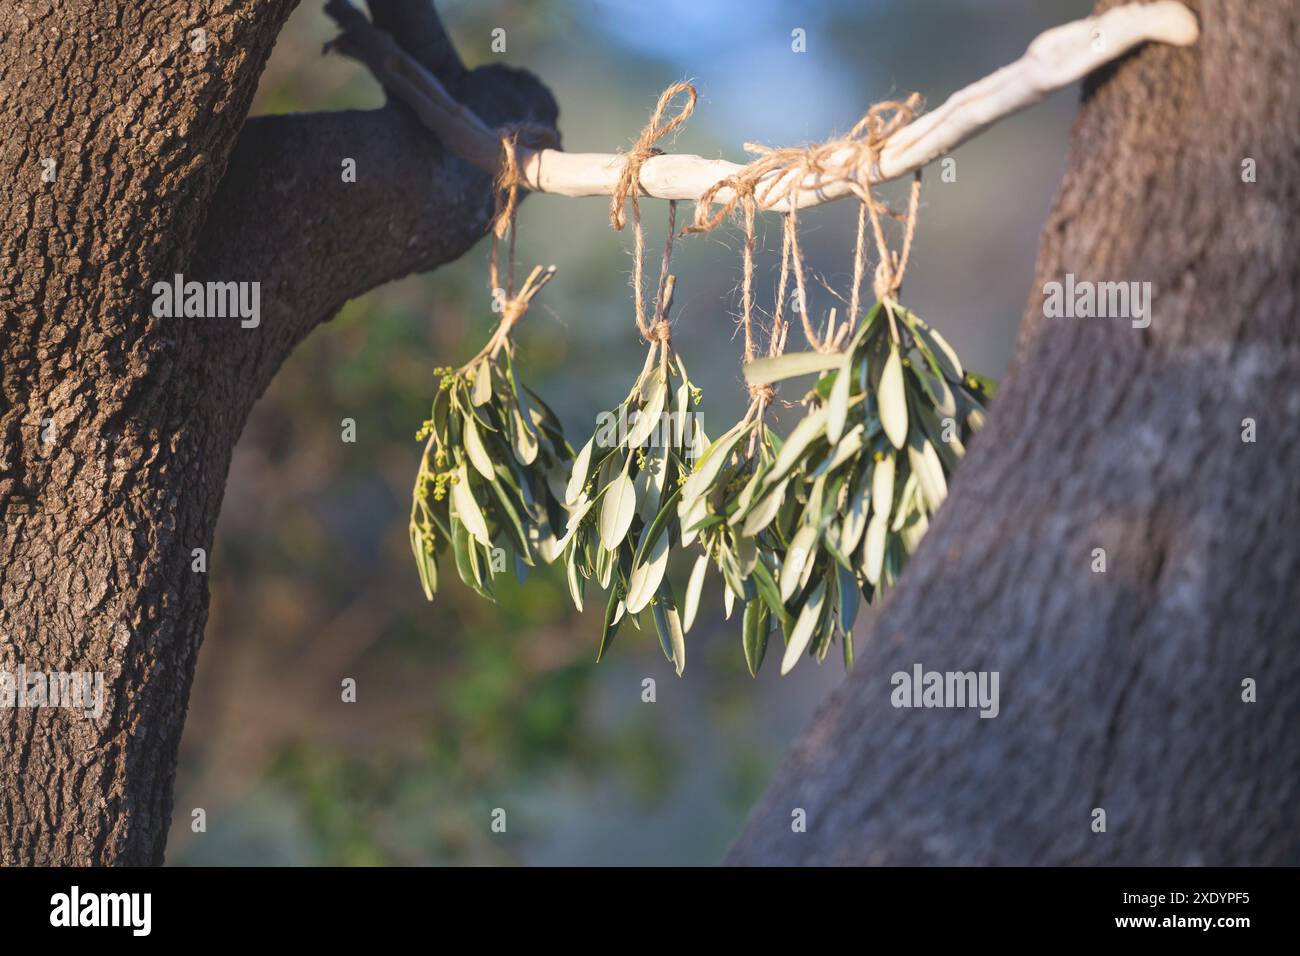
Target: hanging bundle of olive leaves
x,y
868,464
622,493
491,478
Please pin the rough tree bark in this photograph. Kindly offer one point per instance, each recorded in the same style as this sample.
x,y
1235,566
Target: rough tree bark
x,y
116,427
1119,690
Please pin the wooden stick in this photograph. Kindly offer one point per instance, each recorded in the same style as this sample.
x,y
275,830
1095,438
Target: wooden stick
x,y
1054,60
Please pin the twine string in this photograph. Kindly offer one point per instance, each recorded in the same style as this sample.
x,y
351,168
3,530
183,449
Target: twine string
x,y
801,294
877,129
779,325
506,189
747,279
859,266
506,192
779,175
513,311
760,394
661,330
629,187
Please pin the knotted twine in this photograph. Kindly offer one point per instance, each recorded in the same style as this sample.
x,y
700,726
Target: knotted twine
x,y
629,187
505,189
760,395
780,174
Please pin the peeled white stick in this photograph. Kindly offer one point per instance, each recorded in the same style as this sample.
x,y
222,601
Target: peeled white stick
x,y
1054,60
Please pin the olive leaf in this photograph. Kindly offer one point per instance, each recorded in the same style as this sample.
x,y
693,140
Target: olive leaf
x,y
618,509
891,398
767,370
694,588
805,626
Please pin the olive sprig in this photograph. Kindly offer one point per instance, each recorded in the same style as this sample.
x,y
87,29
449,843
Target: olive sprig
x,y
491,476
622,493
887,422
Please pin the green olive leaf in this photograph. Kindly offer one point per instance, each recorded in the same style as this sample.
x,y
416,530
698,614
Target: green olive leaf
x,y
910,487
707,468
478,454
650,482
762,513
522,437
849,598
581,472
938,347
882,485
657,526
617,510
694,588
754,635
647,575
855,521
513,523
648,416
913,531
482,393
891,399
847,448
467,509
613,614
873,546
804,628
777,368
925,464
690,514
837,409
798,560
669,625
812,427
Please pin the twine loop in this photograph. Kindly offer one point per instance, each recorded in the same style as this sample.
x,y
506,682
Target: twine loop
x,y
629,180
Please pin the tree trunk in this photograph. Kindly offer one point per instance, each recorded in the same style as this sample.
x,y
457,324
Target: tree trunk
x,y
116,426
1119,690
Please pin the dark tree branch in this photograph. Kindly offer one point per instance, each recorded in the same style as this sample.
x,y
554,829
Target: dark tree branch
x,y
452,122
415,24
284,216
